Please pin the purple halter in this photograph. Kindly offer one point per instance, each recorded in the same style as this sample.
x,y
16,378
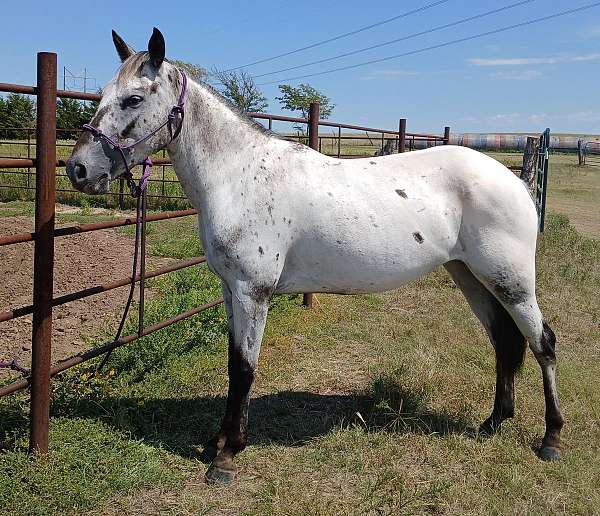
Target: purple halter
x,y
176,110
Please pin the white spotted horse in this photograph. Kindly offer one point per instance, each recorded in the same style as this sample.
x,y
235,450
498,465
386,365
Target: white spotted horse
x,y
279,217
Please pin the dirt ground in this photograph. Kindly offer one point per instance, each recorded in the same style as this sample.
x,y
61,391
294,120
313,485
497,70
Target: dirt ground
x,y
81,261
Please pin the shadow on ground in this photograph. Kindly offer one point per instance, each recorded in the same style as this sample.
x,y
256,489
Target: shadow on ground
x,y
288,418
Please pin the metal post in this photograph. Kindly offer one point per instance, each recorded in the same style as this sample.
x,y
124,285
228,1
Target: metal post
x,y
28,156
382,142
339,141
270,124
545,171
580,152
121,192
313,142
43,263
402,135
446,135
164,154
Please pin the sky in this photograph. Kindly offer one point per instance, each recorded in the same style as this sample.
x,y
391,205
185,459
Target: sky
x,y
523,80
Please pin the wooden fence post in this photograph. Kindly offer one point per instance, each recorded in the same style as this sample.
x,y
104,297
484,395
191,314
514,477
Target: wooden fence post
x,y
530,159
446,135
402,135
313,143
43,262
580,152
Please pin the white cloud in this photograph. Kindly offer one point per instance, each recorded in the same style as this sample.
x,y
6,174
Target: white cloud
x,y
592,32
516,61
527,61
587,57
517,75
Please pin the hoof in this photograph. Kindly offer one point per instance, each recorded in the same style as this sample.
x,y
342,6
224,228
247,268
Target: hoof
x,y
549,453
217,475
488,429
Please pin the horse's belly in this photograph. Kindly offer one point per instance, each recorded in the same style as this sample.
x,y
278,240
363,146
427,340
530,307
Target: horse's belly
x,y
352,270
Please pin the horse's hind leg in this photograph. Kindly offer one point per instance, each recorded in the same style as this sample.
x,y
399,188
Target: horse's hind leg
x,y
506,338
515,289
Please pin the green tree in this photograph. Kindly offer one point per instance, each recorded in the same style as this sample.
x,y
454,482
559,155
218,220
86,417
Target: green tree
x,y
191,70
88,111
16,112
300,98
69,115
239,88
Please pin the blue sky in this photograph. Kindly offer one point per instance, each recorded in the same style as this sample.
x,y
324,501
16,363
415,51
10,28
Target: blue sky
x,y
523,80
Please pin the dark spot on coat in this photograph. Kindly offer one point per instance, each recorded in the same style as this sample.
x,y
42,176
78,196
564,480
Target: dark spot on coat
x,y
128,128
507,291
261,293
330,194
402,193
277,257
418,237
99,116
154,87
260,250
372,162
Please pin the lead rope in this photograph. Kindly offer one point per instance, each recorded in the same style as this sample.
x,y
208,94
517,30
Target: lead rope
x,y
139,192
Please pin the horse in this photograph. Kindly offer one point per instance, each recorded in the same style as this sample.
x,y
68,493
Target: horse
x,y
278,217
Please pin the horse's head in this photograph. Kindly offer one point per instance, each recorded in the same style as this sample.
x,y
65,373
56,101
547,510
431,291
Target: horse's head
x,y
134,103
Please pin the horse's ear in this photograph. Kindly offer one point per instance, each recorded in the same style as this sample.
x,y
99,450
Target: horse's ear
x,y
123,49
156,48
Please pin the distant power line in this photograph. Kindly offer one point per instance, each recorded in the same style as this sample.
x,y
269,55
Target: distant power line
x,y
335,38
440,45
397,40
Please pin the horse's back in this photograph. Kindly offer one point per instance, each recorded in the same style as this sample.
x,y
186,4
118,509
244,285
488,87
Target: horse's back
x,y
377,223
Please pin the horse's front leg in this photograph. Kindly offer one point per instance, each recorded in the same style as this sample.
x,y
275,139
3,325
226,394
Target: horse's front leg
x,y
247,315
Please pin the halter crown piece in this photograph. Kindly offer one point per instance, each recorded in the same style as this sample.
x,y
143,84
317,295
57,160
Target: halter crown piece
x,y
177,110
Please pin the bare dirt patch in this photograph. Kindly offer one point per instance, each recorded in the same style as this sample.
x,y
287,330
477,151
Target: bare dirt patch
x,y
81,261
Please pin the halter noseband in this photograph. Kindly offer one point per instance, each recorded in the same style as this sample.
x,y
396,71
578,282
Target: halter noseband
x,y
176,110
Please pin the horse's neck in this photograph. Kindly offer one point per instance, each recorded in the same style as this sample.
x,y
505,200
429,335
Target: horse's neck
x,y
213,140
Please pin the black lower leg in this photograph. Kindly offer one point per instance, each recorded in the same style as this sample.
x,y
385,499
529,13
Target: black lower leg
x,y
234,430
550,449
504,400
509,345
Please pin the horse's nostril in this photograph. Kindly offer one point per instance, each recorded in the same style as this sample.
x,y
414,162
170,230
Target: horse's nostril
x,y
80,171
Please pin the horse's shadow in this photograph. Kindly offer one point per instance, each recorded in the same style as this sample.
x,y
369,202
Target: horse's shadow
x,y
288,418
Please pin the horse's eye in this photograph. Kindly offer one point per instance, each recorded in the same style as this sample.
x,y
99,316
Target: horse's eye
x,y
133,101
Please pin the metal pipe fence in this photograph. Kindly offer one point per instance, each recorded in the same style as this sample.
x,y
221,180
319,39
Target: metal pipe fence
x,y
41,155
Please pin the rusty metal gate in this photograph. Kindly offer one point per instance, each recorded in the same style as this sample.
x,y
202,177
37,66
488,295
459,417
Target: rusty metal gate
x,y
543,162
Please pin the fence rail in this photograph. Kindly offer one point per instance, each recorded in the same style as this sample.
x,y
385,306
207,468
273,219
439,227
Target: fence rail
x,y
402,140
45,163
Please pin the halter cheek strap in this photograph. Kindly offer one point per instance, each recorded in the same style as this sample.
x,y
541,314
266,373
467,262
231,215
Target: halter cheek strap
x,y
176,111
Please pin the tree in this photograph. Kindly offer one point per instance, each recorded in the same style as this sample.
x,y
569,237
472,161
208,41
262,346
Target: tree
x,y
239,87
300,98
16,111
88,111
69,115
193,71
